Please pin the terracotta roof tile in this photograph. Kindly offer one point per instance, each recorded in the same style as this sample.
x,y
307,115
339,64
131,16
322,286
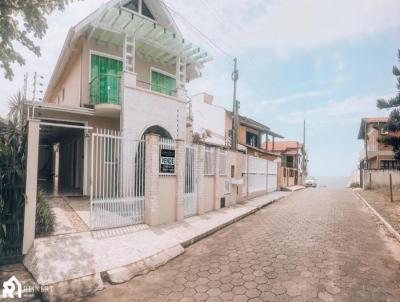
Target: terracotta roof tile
x,y
281,146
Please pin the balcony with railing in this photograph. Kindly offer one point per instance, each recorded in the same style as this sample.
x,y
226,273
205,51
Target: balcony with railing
x,y
105,94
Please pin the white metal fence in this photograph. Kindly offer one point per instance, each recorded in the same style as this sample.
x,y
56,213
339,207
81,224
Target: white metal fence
x,y
190,189
117,180
272,181
259,175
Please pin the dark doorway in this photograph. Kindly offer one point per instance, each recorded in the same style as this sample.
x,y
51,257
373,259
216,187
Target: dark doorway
x,y
68,145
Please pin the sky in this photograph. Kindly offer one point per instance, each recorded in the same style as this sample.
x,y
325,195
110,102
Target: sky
x,y
323,61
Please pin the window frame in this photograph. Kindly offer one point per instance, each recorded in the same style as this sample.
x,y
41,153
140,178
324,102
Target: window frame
x,y
227,187
102,54
165,73
256,136
106,56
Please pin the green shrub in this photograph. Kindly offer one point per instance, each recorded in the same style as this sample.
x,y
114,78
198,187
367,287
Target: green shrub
x,y
44,216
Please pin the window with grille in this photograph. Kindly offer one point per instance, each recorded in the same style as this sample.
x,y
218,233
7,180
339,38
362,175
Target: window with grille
x,y
222,162
105,81
162,83
390,164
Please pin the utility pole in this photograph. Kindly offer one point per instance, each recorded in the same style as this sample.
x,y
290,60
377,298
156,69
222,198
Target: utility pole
x,y
235,111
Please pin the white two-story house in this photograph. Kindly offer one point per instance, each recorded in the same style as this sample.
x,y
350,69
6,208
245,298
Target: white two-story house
x,y
124,69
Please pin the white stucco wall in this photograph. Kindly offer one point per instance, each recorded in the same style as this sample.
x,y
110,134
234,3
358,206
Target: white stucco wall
x,y
208,116
142,109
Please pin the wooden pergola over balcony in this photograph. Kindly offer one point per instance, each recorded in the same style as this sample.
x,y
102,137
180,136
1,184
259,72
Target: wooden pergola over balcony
x,y
139,35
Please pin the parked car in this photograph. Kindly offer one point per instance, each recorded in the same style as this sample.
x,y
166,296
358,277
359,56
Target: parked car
x,y
311,182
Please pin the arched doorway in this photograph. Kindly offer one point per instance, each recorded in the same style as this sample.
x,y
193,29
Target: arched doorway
x,y
140,162
162,132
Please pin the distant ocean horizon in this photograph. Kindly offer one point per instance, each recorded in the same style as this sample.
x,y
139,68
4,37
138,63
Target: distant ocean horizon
x,y
332,181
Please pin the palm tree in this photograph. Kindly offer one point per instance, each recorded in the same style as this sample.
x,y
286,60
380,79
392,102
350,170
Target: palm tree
x,y
12,176
13,144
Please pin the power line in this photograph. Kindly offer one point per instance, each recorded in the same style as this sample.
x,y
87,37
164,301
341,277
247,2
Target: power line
x,y
215,14
211,10
217,47
214,44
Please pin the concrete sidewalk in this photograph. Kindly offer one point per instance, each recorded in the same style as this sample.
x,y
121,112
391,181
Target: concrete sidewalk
x,y
293,188
120,254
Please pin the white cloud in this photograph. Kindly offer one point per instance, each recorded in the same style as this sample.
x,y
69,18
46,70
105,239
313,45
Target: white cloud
x,y
317,64
346,111
338,61
279,27
287,25
273,104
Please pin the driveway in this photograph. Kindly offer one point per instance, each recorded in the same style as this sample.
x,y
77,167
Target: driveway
x,y
315,245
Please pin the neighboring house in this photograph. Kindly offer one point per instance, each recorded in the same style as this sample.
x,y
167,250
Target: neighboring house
x,y
375,155
293,161
209,120
122,69
213,124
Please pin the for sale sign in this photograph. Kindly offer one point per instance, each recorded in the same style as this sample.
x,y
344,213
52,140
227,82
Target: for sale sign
x,y
167,161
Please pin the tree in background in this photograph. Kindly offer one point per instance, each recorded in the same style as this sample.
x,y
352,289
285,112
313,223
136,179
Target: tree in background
x,y
19,21
393,124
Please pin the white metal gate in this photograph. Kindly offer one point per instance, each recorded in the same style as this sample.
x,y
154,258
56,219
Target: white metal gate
x,y
117,180
272,182
190,190
259,175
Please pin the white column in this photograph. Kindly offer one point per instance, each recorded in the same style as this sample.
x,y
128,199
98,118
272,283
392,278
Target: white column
x,y
32,159
129,61
181,92
152,159
180,177
56,167
217,188
200,179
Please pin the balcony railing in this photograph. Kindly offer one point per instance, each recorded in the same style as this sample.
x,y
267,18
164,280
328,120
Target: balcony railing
x,y
156,88
105,89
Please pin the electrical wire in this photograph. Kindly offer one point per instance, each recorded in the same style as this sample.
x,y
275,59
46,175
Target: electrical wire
x,y
214,44
209,40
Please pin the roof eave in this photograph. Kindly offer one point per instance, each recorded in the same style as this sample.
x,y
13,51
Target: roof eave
x,y
65,53
249,125
274,134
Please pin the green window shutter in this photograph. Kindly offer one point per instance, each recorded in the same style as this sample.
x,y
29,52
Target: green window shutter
x,y
105,79
162,83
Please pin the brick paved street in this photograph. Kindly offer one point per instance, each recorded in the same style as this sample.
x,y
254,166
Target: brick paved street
x,y
316,245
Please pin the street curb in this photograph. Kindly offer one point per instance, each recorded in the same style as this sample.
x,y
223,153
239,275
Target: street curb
x,y
127,272
80,287
383,220
189,242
